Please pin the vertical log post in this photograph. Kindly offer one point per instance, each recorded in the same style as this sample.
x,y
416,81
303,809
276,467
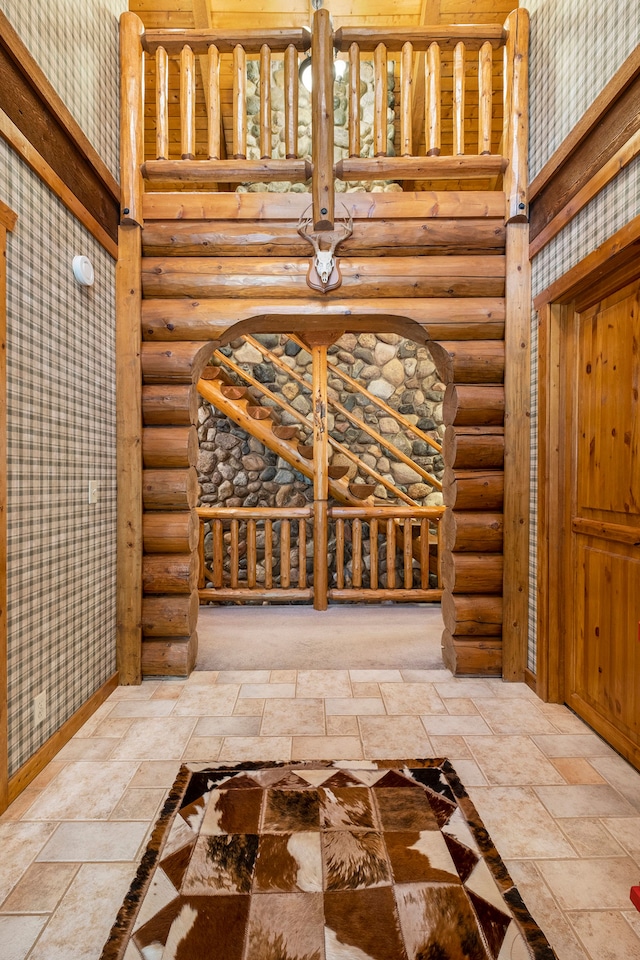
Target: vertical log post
x,y
291,101
214,116
354,100
391,554
320,474
517,378
265,102
218,554
162,104
131,119
458,99
380,105
187,103
285,554
323,188
340,554
251,553
516,118
268,554
406,100
356,552
239,103
432,100
234,551
373,553
485,95
302,553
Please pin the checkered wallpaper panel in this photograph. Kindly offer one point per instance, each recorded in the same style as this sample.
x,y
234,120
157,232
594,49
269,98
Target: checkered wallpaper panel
x,y
75,42
576,47
61,434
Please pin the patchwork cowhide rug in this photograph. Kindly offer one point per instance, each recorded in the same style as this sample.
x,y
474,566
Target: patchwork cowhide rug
x,y
360,860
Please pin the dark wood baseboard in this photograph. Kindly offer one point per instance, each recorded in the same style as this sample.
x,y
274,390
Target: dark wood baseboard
x,y
35,764
531,680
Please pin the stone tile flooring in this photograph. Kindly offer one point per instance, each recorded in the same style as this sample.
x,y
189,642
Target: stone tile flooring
x,y
562,807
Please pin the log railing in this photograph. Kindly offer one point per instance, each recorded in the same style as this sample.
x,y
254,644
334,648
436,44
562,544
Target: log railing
x,y
445,122
375,553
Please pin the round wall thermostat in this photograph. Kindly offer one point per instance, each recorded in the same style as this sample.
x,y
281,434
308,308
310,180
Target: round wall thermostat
x,y
83,271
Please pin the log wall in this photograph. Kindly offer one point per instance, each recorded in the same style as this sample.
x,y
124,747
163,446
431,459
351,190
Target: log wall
x,y
428,266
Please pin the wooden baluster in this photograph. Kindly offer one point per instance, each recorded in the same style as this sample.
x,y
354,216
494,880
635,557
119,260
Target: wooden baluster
x,y
162,104
439,528
201,576
340,554
408,555
432,100
458,99
354,100
218,553
251,553
268,554
320,472
265,102
291,102
373,553
406,100
485,93
302,553
356,552
239,102
425,541
214,119
187,104
235,555
391,554
516,116
285,554
380,105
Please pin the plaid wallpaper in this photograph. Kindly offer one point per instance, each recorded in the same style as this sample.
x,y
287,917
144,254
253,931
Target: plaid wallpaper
x,y
60,395
75,44
576,47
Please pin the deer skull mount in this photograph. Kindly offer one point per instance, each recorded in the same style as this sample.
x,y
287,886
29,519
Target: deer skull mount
x,y
324,274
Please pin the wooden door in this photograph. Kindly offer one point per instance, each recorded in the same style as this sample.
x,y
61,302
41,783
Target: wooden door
x,y
603,652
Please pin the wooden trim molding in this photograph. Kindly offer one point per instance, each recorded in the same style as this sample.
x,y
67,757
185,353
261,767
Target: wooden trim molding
x,y
598,147
7,222
30,770
622,250
33,109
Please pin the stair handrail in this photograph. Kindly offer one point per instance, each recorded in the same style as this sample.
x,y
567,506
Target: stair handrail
x,y
395,491
377,400
431,480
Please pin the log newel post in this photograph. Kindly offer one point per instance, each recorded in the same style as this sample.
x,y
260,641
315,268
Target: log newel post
x,y
323,189
131,118
516,115
320,476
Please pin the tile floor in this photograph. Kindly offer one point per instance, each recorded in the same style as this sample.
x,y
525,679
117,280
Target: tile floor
x,y
562,807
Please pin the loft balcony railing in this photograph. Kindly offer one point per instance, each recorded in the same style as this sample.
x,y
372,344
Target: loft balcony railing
x,y
450,69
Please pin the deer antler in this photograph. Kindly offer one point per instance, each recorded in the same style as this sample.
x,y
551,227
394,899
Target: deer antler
x,y
324,263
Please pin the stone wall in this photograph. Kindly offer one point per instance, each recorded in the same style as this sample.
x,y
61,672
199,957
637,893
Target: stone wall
x,y
237,470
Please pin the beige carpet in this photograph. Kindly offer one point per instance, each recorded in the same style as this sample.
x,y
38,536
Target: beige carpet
x,y
299,637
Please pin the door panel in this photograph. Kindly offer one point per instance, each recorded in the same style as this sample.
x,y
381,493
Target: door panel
x,y
603,675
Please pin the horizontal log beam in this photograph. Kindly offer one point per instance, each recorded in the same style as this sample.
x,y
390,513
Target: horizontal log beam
x,y
372,238
178,362
399,595
274,595
474,361
472,572
169,616
212,172
467,532
473,489
172,533
174,404
472,657
473,405
286,278
464,167
468,451
184,320
406,205
169,573
472,615
175,657
170,490
169,447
